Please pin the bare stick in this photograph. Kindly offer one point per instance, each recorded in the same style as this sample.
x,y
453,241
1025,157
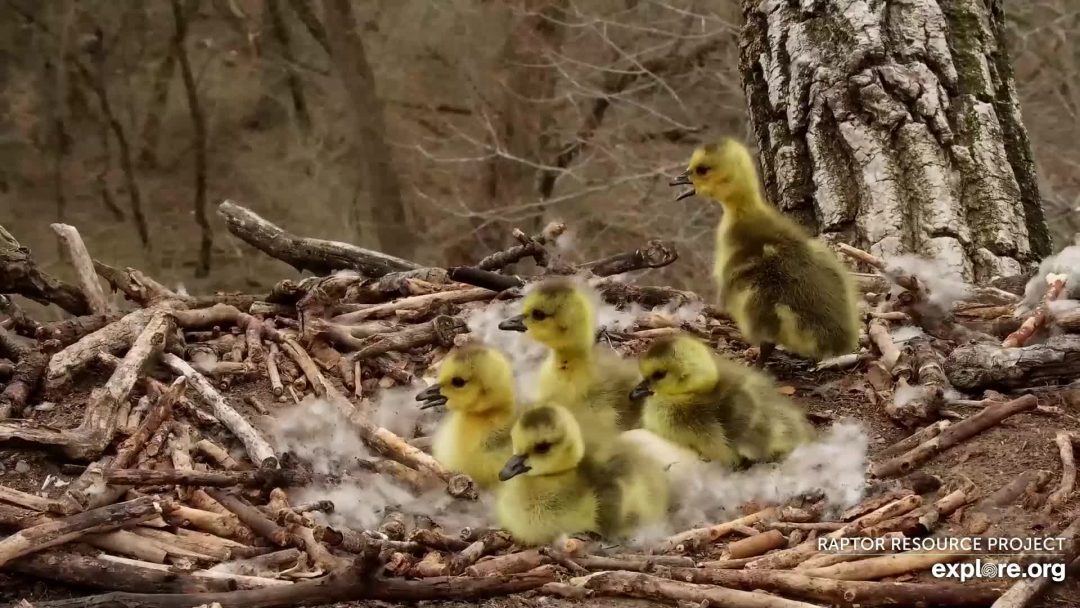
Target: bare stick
x,y
215,523
841,592
788,558
155,417
256,520
257,448
272,370
128,543
84,268
33,501
1038,316
882,566
218,454
648,587
691,539
262,477
757,544
58,532
952,436
1068,473
348,586
925,434
879,333
121,574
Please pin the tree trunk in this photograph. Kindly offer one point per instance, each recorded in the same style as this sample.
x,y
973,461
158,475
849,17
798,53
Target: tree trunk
x,y
378,175
894,125
521,140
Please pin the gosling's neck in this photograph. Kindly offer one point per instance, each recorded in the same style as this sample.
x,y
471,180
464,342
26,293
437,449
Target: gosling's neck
x,y
580,348
743,202
493,409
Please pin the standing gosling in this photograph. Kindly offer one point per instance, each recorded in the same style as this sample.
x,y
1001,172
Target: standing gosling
x,y
554,487
477,386
726,412
779,285
592,380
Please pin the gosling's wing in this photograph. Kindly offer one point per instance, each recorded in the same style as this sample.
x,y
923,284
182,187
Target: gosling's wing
x,y
790,292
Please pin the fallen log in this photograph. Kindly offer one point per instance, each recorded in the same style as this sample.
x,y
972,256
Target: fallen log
x,y
304,253
980,366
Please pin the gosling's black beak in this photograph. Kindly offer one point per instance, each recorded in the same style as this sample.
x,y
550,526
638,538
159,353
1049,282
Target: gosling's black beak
x,y
683,179
641,391
431,396
514,467
515,323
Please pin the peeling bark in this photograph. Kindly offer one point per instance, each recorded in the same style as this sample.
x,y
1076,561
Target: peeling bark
x,y
895,126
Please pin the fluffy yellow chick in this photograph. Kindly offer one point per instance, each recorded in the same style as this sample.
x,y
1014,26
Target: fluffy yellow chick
x,y
590,379
779,285
476,385
726,412
553,486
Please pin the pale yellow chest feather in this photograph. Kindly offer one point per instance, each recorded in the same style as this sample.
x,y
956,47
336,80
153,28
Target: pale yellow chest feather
x,y
470,445
537,510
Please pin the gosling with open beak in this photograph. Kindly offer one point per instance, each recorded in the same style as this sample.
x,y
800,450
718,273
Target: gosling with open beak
x,y
431,396
514,467
683,179
515,323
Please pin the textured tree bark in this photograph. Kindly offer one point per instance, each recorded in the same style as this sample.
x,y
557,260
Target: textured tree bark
x,y
895,126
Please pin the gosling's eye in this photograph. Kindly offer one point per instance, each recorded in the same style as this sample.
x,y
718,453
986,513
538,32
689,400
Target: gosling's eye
x,y
659,374
542,448
701,169
539,315
458,381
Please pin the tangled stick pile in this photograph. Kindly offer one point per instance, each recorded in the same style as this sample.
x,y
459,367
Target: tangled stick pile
x,y
178,497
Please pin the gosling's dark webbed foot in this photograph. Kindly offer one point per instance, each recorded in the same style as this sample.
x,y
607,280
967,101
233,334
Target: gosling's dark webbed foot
x,y
765,350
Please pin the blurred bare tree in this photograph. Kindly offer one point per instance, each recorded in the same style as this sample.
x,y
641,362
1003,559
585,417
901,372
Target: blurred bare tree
x,y
427,129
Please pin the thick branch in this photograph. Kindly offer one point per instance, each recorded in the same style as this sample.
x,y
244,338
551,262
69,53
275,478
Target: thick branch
x,y
304,253
19,274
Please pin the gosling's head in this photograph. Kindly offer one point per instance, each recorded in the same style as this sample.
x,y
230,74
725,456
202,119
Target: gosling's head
x,y
472,379
723,171
547,440
557,314
676,365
